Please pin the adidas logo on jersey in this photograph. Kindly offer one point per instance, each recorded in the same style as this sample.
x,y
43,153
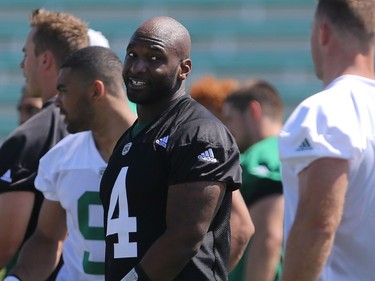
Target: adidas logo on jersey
x,y
163,141
208,156
6,177
126,148
305,145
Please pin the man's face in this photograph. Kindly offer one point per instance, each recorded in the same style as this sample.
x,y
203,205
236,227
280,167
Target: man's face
x,y
238,124
31,66
28,107
151,69
73,100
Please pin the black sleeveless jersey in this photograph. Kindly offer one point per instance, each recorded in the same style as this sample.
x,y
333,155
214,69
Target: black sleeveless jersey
x,y
185,144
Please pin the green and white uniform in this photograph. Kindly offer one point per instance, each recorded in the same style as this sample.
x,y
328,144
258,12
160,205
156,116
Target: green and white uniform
x,y
70,173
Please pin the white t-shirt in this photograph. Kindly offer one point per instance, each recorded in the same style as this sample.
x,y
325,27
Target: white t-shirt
x,y
338,122
70,173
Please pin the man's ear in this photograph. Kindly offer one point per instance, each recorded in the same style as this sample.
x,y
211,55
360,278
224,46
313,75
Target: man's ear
x,y
255,110
185,68
98,89
325,34
47,60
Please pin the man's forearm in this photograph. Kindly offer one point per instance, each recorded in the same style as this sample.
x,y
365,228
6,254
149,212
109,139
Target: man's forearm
x,y
242,228
167,258
237,249
322,189
37,259
265,248
262,258
16,208
306,253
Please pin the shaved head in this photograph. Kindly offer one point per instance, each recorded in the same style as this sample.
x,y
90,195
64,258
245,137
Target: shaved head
x,y
169,32
157,61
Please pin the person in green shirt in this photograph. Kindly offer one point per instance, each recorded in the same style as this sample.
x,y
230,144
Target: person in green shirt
x,y
254,115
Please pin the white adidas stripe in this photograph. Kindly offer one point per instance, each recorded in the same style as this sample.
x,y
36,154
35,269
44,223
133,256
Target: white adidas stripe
x,y
208,155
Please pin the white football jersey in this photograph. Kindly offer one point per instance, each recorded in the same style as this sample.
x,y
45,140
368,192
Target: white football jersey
x,y
70,173
338,122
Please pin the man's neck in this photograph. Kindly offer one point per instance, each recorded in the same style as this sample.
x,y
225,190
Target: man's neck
x,y
108,132
149,112
359,64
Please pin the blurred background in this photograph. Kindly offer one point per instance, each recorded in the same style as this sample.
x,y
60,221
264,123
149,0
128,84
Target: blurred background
x,y
238,39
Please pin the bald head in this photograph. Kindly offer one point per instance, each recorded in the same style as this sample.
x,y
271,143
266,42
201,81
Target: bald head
x,y
167,31
157,61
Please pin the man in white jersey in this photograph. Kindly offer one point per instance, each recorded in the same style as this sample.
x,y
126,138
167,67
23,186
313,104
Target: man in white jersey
x,y
327,148
92,98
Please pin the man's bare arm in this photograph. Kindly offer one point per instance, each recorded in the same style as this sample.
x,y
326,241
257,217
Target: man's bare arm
x,y
322,189
242,228
40,254
16,208
265,250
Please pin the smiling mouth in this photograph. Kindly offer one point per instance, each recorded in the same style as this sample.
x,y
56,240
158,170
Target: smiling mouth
x,y
137,83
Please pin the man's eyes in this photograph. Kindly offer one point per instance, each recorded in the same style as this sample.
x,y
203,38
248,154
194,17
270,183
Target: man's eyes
x,y
151,57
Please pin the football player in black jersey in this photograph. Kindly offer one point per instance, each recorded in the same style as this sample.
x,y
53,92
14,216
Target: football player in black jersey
x,y
167,190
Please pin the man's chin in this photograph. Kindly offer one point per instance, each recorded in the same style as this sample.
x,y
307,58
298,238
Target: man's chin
x,y
141,100
32,93
71,129
74,130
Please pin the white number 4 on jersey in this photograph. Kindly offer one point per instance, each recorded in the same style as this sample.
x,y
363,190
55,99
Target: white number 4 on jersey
x,y
124,224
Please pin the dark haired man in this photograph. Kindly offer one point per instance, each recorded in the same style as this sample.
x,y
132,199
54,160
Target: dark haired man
x,y
95,108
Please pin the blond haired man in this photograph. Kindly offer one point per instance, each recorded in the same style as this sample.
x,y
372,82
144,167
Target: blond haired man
x,y
53,36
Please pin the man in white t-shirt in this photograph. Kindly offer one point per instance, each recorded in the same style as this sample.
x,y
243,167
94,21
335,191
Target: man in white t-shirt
x,y
92,99
327,148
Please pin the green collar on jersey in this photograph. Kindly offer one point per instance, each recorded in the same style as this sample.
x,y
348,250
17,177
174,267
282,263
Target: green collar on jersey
x,y
138,127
